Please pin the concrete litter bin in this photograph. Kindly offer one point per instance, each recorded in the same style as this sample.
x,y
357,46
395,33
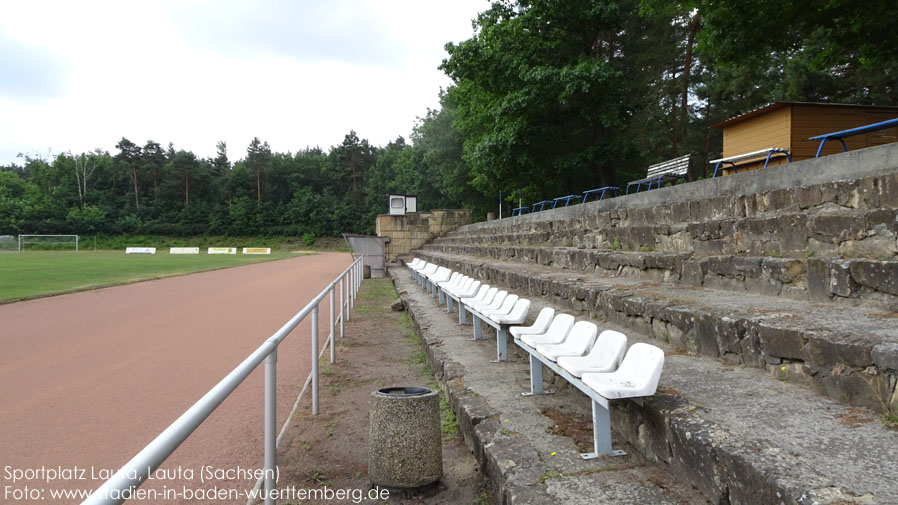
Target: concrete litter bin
x,y
405,449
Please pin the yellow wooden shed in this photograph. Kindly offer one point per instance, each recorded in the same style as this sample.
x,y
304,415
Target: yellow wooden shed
x,y
789,125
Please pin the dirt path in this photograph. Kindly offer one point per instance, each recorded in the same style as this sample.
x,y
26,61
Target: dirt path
x,y
88,379
329,451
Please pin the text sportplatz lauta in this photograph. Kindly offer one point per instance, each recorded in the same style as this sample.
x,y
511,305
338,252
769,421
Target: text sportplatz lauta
x,y
49,474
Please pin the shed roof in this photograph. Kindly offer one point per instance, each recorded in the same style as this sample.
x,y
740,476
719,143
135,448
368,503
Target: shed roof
x,y
777,105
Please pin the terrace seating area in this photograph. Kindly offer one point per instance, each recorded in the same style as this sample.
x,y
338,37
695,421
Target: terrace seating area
x,y
774,299
593,363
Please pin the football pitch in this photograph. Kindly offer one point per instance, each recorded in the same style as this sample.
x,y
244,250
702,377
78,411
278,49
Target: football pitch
x,y
34,274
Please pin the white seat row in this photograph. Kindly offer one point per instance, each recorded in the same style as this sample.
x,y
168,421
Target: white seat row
x,y
594,363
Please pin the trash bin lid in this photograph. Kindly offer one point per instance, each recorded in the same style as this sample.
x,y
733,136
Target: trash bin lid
x,y
404,391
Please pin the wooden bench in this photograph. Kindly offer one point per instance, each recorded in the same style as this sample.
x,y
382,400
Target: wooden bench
x,y
732,160
601,192
661,173
860,130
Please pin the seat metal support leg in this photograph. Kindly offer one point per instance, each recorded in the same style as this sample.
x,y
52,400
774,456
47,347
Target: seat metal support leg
x,y
601,433
501,344
536,378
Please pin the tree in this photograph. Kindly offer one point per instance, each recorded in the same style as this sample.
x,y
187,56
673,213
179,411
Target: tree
x,y
185,168
541,97
85,166
153,159
129,153
258,157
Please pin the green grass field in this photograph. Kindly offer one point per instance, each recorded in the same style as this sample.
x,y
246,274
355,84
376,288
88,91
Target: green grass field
x,y
34,274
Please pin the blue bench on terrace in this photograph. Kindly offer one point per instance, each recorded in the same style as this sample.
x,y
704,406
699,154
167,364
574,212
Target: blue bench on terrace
x,y
519,211
661,173
601,192
540,206
860,130
566,199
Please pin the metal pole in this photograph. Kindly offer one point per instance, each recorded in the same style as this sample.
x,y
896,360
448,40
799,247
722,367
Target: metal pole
x,y
349,286
270,425
315,360
341,306
331,324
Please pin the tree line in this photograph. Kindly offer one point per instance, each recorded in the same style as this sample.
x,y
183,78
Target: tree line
x,y
547,98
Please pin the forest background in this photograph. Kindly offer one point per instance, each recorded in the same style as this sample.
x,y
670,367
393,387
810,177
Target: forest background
x,y
549,98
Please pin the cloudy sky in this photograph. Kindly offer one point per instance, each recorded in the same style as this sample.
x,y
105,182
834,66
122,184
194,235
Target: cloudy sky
x,y
77,75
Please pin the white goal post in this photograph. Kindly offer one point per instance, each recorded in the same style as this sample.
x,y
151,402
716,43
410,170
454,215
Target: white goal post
x,y
47,239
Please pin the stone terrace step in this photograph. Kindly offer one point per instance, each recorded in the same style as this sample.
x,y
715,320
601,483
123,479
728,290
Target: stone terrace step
x,y
836,232
511,436
849,354
735,433
850,281
745,214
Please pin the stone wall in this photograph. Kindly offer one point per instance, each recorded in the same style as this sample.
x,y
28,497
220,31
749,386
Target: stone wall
x,y
409,231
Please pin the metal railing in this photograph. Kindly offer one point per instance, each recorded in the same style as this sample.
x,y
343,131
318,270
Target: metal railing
x,y
133,473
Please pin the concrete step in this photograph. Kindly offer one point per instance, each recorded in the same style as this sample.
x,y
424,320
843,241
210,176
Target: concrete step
x,y
736,433
849,354
524,445
851,282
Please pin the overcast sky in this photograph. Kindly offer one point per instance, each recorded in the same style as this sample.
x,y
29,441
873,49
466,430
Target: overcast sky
x,y
77,75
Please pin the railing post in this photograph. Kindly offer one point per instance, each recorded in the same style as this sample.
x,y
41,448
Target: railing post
x,y
270,425
315,360
341,306
331,325
349,295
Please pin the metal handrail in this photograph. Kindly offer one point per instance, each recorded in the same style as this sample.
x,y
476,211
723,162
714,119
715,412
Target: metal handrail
x,y
132,474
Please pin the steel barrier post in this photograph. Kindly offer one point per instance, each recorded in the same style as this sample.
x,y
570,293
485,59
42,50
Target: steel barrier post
x,y
349,295
331,324
341,306
270,425
315,360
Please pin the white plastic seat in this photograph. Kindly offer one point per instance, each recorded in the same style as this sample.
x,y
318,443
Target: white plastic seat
x,y
464,287
543,320
577,343
555,334
442,274
421,266
461,282
605,355
485,295
505,308
415,262
637,375
453,278
494,304
428,269
517,314
471,291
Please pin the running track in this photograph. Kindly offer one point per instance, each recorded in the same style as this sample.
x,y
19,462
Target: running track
x,y
87,379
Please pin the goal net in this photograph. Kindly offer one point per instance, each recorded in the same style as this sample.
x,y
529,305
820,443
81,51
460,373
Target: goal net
x,y
48,242
8,243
